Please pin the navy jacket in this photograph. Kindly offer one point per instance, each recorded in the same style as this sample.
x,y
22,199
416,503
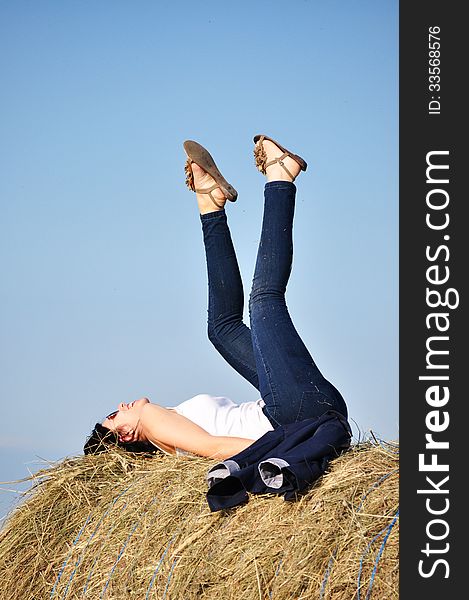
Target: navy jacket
x,y
284,461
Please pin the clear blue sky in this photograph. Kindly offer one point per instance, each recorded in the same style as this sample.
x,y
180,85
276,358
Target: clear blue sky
x,y
103,295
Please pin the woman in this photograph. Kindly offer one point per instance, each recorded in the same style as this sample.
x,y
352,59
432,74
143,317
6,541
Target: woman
x,y
270,355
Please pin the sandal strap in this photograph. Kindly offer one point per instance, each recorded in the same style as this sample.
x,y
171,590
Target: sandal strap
x,y
279,160
209,192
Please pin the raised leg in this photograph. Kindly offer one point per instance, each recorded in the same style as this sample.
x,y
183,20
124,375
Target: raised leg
x,y
290,382
226,330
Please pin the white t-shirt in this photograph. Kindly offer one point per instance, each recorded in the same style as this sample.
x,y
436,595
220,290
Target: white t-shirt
x,y
221,416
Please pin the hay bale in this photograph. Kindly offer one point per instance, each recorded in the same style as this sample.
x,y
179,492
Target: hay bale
x,y
118,526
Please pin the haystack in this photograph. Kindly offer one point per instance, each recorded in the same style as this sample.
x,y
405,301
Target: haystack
x,y
118,526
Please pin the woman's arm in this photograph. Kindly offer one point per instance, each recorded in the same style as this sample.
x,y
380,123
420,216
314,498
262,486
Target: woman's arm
x,y
171,430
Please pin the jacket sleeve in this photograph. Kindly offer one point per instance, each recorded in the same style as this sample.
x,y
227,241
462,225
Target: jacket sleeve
x,y
298,469
284,461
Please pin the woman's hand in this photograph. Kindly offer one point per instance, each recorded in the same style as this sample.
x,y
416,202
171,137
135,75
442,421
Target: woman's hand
x,y
170,430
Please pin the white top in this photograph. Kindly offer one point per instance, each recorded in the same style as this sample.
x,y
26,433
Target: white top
x,y
221,416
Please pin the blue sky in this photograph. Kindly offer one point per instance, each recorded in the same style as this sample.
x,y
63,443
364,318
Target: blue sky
x,y
103,295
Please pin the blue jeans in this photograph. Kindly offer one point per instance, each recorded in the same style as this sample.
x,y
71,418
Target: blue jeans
x,y
270,354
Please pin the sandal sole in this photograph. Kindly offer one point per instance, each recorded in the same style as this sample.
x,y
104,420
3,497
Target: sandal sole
x,y
301,161
203,158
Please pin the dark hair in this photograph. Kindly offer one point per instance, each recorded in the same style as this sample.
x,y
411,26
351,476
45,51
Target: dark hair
x,y
102,438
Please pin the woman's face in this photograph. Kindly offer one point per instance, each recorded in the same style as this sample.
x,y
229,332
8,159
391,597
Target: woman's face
x,y
125,419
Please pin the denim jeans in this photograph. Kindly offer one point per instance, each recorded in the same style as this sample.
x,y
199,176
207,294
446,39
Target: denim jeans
x,y
270,354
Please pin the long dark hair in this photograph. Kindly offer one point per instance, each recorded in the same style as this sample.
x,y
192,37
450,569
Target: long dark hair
x,y
101,439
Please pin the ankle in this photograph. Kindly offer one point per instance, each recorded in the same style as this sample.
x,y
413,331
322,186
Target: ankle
x,y
277,173
206,205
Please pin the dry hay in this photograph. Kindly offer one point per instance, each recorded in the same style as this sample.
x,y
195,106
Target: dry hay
x,y
118,526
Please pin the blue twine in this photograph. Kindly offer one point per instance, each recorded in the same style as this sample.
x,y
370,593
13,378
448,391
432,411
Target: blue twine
x,y
158,566
111,529
162,558
327,574
388,446
275,575
394,444
108,536
388,529
80,558
380,552
118,559
374,486
91,571
75,542
363,558
132,531
331,560
169,577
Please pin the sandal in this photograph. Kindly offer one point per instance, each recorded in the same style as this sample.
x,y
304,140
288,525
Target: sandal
x,y
261,156
199,155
